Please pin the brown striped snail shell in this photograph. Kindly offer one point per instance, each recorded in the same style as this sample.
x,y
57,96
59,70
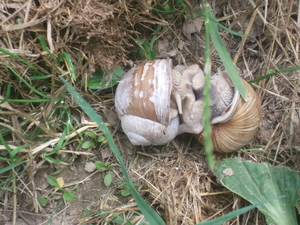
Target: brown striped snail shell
x,y
143,103
238,124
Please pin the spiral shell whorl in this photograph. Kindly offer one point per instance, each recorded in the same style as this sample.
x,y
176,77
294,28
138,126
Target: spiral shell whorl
x,y
235,133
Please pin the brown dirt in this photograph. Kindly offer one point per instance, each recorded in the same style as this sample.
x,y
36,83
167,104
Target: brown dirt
x,y
173,178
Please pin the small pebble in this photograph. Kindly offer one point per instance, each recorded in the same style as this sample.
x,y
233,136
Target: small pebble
x,y
90,167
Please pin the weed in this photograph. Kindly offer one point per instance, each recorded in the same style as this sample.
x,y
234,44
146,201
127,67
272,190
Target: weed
x,y
105,79
58,183
95,140
108,177
125,191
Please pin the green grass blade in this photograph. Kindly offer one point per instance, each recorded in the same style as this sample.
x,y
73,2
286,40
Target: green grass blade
x,y
3,170
8,149
150,215
45,48
16,150
4,159
13,177
221,49
228,30
154,37
60,144
219,24
7,94
69,64
208,146
27,100
53,214
274,73
40,77
27,84
20,59
54,161
231,215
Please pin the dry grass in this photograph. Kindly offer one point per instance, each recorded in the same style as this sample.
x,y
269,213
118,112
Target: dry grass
x,y
102,34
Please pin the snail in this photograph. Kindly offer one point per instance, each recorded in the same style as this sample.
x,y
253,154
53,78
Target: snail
x,y
238,123
155,102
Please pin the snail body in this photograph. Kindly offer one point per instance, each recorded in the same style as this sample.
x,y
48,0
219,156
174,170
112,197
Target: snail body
x,y
238,123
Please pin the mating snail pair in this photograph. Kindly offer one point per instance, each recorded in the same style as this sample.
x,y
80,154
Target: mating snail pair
x,y
156,102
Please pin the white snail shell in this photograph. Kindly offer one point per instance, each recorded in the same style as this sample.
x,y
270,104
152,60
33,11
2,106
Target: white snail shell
x,y
238,124
143,103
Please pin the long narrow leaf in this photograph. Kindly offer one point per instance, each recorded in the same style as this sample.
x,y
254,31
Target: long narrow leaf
x,y
13,177
276,72
232,215
223,53
69,64
27,84
59,144
45,48
150,215
219,24
27,100
20,59
208,147
16,150
8,149
3,170
40,77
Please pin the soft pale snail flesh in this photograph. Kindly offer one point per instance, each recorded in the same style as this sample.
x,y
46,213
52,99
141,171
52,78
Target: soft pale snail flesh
x,y
238,124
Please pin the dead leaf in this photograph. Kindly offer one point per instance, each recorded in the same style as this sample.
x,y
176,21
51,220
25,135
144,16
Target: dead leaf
x,y
106,153
111,117
192,25
60,181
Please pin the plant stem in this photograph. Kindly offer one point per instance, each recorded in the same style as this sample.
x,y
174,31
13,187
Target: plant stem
x,y
208,146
